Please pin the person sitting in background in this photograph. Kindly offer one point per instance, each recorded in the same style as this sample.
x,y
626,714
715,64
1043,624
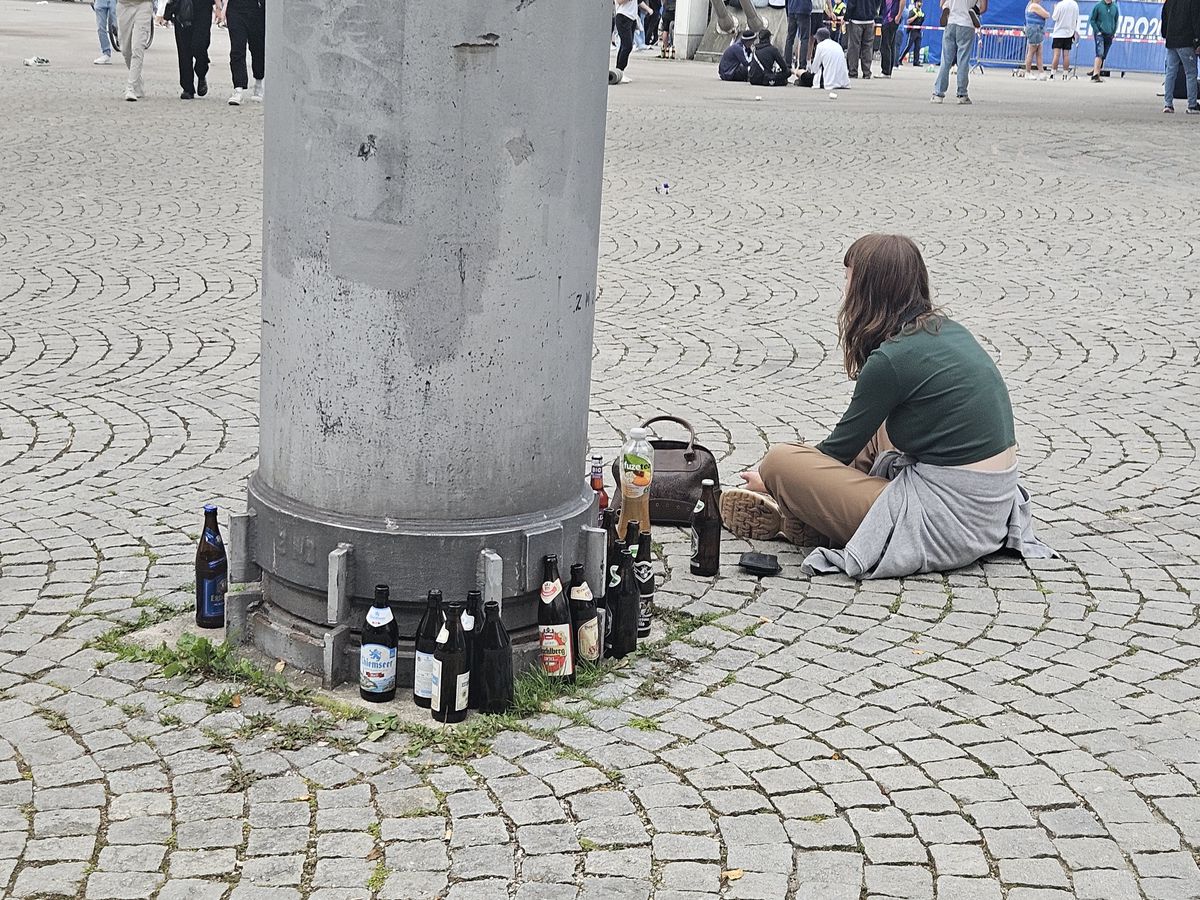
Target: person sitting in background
x,y
1103,20
768,68
735,61
828,66
921,473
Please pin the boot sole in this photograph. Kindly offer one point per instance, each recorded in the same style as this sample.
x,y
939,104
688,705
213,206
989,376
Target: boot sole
x,y
747,514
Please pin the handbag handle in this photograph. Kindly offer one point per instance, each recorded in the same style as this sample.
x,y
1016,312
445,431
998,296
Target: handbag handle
x,y
690,453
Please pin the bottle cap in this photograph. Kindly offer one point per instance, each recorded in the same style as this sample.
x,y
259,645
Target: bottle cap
x,y
435,596
210,507
597,458
492,605
638,434
474,596
551,558
382,593
706,482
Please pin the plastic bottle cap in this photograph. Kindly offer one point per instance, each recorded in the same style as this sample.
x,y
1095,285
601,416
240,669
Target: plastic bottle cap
x,y
638,434
706,482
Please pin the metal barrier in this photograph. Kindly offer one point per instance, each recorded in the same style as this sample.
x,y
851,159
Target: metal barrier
x,y
1004,46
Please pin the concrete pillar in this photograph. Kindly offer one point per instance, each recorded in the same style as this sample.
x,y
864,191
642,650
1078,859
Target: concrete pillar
x,y
431,204
691,23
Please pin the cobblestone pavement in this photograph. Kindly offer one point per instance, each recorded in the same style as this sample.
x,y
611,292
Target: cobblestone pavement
x,y
1001,731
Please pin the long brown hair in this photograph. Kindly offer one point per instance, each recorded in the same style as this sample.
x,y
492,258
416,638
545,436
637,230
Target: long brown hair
x,y
888,293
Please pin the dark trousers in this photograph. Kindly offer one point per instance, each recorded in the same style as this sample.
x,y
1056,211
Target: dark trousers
x,y
247,23
914,47
625,26
887,47
798,26
191,45
650,28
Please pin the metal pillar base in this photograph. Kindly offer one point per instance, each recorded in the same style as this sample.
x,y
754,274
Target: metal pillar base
x,y
318,575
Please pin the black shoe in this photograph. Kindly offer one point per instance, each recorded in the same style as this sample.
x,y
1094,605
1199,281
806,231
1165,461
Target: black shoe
x,y
187,96
202,87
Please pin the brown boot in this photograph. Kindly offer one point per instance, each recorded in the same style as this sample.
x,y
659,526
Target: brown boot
x,y
750,515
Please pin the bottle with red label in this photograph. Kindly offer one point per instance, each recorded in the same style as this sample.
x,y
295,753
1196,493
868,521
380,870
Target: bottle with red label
x,y
597,483
554,625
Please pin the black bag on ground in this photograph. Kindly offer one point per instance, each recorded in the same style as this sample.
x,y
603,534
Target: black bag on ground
x,y
679,467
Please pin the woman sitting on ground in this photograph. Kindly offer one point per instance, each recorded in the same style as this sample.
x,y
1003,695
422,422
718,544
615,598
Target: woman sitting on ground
x,y
921,474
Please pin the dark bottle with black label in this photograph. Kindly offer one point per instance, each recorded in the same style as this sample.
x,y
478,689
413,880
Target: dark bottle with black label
x,y
494,674
623,607
425,643
585,623
377,653
610,594
643,569
706,532
451,682
472,619
212,573
631,536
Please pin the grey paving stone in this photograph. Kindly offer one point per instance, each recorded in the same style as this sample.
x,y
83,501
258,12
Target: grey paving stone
x,y
122,886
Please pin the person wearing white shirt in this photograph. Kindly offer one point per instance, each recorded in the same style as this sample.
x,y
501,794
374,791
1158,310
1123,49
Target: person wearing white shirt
x,y
957,40
828,66
134,21
1066,28
626,20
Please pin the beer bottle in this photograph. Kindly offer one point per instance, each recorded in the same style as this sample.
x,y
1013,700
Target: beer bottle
x,y
554,625
212,570
425,643
623,607
472,619
637,472
644,572
450,686
377,653
706,532
598,486
585,623
610,551
492,680
633,533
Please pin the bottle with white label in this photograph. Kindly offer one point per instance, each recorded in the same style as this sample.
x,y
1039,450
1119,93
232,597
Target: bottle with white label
x,y
377,654
554,625
424,643
450,685
585,623
472,620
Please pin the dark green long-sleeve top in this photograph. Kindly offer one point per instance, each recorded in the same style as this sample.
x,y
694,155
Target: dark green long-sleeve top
x,y
941,395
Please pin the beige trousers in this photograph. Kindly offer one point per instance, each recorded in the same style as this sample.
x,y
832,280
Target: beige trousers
x,y
817,491
133,26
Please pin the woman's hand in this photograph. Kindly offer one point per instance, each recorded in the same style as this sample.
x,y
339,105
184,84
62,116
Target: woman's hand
x,y
753,481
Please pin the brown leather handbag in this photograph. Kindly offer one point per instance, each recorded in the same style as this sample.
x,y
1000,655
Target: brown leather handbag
x,y
679,467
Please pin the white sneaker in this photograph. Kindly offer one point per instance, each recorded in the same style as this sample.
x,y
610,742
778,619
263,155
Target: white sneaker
x,y
102,60
259,92
936,98
236,99
625,79
130,95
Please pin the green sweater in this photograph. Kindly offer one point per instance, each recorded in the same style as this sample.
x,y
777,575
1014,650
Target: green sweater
x,y
941,395
1104,17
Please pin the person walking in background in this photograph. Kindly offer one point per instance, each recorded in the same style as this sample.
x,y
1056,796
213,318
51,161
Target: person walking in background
x,y
106,23
892,12
916,19
134,20
247,23
1103,21
860,36
957,40
1066,29
650,21
667,44
822,12
1035,33
1181,33
192,22
799,25
625,19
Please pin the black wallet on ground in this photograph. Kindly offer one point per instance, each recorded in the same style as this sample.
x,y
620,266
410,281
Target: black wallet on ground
x,y
760,563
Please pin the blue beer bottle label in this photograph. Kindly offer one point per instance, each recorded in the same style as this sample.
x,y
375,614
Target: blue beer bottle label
x,y
211,594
